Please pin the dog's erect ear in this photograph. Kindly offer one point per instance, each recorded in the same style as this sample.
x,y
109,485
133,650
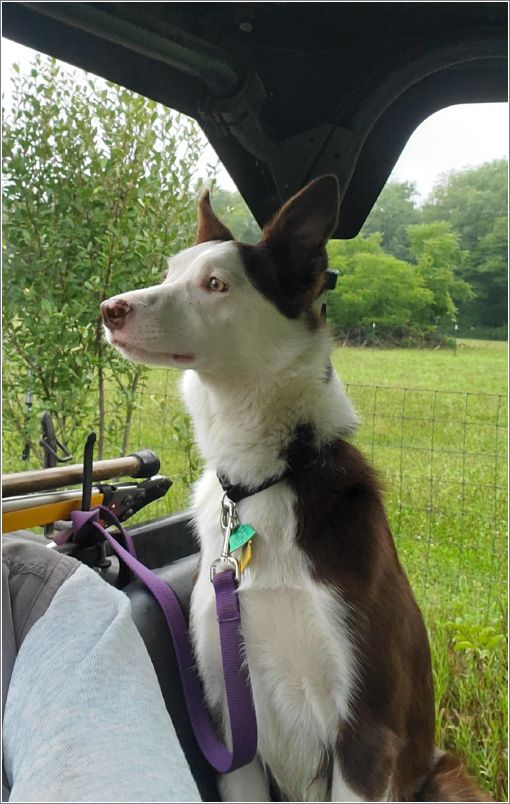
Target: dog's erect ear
x,y
288,264
297,235
309,218
209,226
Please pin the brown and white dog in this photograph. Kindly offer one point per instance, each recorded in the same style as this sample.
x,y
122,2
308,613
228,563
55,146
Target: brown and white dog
x,y
336,646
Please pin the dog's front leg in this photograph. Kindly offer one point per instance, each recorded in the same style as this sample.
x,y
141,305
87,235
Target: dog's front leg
x,y
246,784
340,789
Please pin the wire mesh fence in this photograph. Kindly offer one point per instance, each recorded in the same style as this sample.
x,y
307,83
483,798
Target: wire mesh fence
x,y
442,457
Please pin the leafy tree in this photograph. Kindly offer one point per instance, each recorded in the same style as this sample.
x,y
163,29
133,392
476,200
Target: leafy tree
x,y
490,279
439,259
342,253
470,200
382,299
98,191
474,203
379,296
391,214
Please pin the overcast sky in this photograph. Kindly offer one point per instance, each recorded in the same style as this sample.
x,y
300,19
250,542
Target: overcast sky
x,y
451,139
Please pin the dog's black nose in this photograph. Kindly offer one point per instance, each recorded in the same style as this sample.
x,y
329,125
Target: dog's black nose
x,y
115,312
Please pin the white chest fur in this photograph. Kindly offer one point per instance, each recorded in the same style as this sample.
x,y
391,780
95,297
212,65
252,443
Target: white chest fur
x,y
298,651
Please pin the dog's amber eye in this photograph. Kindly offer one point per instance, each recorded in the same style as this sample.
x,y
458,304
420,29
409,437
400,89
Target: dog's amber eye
x,y
217,285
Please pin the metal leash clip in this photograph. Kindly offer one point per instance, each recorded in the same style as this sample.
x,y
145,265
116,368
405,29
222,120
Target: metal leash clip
x,y
229,521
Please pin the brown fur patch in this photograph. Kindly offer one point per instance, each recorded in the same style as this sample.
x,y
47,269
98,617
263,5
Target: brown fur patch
x,y
343,530
290,294
368,752
449,782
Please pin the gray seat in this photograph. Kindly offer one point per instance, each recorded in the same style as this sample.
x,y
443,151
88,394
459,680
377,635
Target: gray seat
x,y
152,626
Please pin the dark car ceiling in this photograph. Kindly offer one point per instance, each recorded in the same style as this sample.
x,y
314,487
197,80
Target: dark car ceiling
x,y
288,91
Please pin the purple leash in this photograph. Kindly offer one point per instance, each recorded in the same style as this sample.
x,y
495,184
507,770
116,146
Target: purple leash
x,y
243,723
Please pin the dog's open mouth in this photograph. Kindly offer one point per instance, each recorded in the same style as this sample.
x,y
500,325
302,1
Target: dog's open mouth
x,y
147,354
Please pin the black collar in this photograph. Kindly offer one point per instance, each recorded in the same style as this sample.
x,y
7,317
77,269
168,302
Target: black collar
x,y
301,454
238,491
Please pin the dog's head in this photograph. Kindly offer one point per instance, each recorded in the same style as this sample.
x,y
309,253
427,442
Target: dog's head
x,y
229,303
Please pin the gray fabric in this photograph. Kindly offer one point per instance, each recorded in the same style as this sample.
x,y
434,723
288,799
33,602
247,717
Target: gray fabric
x,y
85,720
8,656
9,649
35,573
31,575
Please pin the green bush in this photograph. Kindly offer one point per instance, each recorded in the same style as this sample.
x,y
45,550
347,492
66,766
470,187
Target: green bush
x,y
99,189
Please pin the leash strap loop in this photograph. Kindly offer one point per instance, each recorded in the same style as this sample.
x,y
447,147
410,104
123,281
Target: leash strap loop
x,y
243,723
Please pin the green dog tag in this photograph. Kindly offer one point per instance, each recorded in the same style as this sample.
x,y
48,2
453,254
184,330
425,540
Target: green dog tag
x,y
240,536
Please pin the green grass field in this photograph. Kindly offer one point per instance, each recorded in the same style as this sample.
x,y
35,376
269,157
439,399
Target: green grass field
x,y
434,424
475,366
